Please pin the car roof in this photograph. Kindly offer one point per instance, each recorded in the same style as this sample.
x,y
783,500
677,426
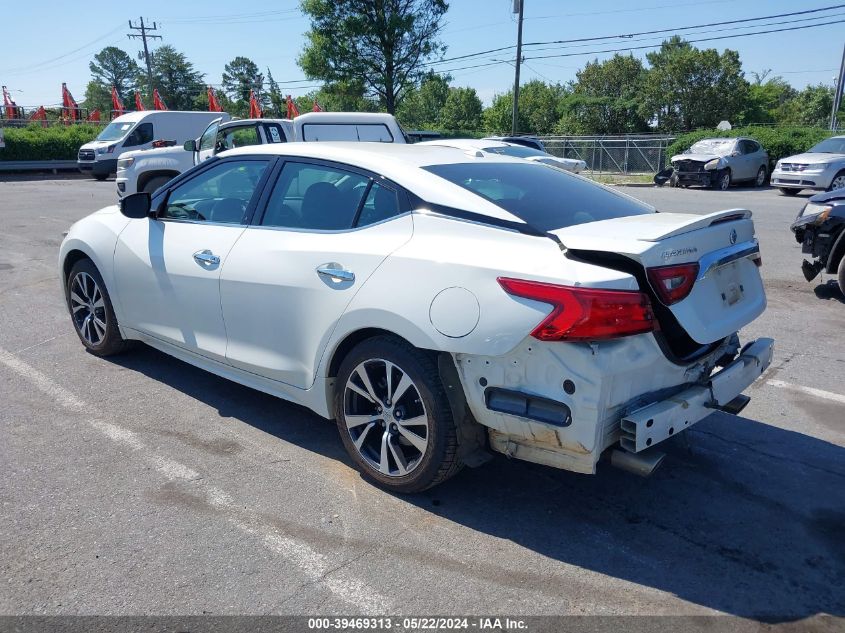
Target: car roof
x,y
403,164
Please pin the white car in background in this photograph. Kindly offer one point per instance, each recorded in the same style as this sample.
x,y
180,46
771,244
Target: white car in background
x,y
436,303
820,168
511,149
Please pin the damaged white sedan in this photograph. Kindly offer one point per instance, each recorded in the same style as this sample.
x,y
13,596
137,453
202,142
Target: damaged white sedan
x,y
436,303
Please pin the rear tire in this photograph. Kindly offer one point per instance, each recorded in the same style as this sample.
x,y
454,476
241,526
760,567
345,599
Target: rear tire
x,y
405,444
91,311
100,177
786,191
154,184
760,180
841,275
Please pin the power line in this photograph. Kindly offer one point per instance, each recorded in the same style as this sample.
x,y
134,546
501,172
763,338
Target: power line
x,y
62,56
630,35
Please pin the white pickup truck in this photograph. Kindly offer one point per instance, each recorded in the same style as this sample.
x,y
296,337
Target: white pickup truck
x,y
147,170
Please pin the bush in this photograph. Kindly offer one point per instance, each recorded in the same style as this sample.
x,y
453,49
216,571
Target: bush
x,y
779,142
58,142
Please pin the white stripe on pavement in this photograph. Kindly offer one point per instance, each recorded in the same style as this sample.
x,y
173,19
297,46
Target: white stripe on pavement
x,y
316,566
810,391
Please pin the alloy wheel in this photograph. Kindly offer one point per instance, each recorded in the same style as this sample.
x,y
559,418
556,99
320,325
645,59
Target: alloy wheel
x,y
838,183
761,177
385,417
88,308
725,181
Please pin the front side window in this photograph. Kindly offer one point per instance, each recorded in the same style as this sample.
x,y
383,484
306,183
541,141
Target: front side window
x,y
546,199
219,194
316,197
140,135
208,137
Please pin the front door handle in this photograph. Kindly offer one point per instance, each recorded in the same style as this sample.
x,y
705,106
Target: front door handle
x,y
206,257
335,272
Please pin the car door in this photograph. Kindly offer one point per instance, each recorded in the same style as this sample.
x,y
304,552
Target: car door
x,y
748,160
207,142
324,230
168,268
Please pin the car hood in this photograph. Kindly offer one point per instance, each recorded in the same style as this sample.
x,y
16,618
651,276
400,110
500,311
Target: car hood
x,y
699,157
811,158
156,151
837,195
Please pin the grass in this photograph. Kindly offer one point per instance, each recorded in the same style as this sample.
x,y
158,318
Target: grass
x,y
620,179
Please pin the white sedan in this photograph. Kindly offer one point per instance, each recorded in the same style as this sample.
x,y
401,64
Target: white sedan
x,y
436,304
493,146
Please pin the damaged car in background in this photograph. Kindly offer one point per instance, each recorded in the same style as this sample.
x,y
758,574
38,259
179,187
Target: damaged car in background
x,y
718,163
820,229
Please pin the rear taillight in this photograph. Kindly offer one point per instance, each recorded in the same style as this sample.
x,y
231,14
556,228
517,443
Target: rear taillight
x,y
673,283
585,314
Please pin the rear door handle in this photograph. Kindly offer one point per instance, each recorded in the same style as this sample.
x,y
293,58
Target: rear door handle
x,y
331,270
206,257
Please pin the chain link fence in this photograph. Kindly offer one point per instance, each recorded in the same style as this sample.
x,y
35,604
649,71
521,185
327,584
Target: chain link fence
x,y
613,154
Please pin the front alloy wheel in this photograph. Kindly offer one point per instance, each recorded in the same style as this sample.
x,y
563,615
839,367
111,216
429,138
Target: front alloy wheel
x,y
88,309
394,416
838,182
724,180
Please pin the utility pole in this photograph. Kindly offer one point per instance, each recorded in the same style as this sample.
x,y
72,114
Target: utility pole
x,y
144,35
518,6
838,91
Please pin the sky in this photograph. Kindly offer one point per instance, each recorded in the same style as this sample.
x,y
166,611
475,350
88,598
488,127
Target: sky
x,y
43,44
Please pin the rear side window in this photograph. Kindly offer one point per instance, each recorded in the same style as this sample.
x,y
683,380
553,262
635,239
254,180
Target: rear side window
x,y
381,204
543,197
233,137
315,197
376,132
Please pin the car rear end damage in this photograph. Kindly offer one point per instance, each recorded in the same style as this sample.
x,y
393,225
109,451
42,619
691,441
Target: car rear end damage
x,y
626,370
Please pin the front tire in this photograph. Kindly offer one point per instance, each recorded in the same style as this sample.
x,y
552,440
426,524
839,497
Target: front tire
x,y
723,180
155,184
91,310
100,177
841,275
394,417
786,191
838,181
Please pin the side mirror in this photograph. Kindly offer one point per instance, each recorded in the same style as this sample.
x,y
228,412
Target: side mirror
x,y
136,205
190,146
735,153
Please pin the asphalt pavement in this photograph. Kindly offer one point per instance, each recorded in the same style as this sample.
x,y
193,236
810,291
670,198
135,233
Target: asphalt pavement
x,y
141,485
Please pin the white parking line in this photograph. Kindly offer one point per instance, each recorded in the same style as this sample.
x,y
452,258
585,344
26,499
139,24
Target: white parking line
x,y
313,564
810,391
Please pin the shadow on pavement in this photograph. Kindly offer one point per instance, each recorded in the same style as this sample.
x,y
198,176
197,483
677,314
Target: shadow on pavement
x,y
830,291
749,521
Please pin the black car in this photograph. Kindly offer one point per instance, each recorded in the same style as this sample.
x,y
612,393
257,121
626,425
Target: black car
x,y
820,229
526,141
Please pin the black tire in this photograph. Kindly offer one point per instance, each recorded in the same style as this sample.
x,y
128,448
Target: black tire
x,y
440,460
838,179
787,191
100,177
155,184
723,180
841,275
110,342
760,180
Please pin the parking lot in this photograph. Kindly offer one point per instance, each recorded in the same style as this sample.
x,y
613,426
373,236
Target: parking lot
x,y
141,485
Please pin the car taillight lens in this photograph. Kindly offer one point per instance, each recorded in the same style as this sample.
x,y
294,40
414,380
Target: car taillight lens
x,y
585,314
673,283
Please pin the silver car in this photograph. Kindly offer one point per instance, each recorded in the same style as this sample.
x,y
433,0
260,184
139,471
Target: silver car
x,y
718,162
822,167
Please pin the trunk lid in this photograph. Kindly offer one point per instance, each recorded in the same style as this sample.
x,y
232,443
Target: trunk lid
x,y
728,291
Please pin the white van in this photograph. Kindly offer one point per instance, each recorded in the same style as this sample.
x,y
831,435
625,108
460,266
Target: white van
x,y
138,130
150,169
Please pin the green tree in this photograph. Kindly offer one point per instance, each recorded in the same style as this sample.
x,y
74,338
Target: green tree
x,y
421,106
688,88
810,107
98,97
766,98
540,108
607,98
278,107
340,96
113,67
381,45
178,83
240,76
462,110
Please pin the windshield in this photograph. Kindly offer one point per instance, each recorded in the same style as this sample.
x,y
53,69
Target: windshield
x,y
546,199
515,150
718,146
835,145
114,131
